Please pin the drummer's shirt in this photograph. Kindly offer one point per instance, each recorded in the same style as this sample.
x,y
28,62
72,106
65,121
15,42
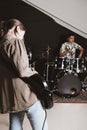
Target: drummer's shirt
x,y
72,46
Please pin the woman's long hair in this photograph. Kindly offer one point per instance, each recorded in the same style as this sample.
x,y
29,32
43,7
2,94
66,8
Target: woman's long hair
x,y
6,25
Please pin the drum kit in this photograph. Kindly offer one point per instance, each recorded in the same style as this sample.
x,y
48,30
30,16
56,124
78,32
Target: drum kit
x,y
64,76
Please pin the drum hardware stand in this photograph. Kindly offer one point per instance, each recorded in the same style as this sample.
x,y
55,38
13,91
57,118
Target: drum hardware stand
x,y
84,85
31,65
29,57
62,64
77,68
83,66
47,69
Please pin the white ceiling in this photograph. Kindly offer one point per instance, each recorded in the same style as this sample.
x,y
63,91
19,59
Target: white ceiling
x,y
68,13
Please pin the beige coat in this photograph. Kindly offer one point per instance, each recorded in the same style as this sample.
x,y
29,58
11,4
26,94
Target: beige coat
x,y
15,95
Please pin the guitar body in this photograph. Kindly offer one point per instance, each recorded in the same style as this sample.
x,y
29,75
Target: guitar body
x,y
40,88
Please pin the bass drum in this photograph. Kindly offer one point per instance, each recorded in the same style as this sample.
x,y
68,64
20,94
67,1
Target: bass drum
x,y
68,85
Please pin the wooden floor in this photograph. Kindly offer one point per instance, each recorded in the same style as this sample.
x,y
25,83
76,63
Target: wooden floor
x,y
63,116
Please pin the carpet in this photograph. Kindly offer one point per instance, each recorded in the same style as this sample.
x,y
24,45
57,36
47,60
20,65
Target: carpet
x,y
81,98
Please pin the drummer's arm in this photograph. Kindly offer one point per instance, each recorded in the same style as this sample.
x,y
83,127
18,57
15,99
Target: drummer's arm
x,y
81,51
63,53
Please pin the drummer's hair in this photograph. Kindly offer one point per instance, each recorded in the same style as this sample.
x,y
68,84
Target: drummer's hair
x,y
69,35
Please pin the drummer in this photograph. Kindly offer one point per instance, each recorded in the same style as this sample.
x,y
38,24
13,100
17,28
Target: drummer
x,y
68,49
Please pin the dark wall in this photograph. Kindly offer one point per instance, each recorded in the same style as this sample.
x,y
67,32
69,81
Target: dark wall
x,y
41,29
